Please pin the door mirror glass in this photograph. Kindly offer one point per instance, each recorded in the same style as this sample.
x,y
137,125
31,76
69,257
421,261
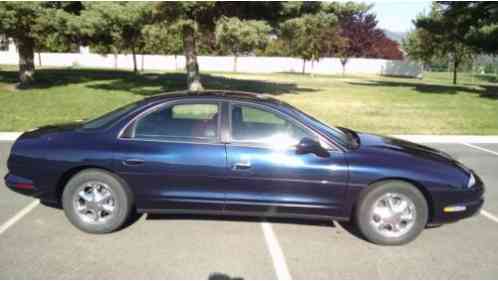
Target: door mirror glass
x,y
307,145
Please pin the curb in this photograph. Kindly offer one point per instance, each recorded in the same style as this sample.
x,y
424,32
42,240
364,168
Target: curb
x,y
9,136
12,136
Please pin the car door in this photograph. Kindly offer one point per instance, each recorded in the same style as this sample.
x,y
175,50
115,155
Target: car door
x,y
267,176
173,159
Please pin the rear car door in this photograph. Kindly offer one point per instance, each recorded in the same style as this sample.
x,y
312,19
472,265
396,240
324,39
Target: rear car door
x,y
267,176
172,157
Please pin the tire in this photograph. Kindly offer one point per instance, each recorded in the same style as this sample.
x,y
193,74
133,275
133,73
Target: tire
x,y
104,200
379,224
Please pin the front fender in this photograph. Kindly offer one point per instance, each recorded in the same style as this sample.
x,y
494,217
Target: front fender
x,y
436,178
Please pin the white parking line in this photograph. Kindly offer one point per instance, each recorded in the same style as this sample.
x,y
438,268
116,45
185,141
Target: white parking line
x,y
276,253
17,217
480,148
489,216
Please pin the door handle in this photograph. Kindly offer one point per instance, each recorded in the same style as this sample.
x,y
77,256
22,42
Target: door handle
x,y
244,165
133,162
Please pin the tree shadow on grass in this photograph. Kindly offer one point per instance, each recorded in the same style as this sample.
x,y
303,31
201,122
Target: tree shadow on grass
x,y
146,84
484,91
46,78
490,92
166,82
488,78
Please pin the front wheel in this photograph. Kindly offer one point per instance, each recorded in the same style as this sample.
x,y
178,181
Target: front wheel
x,y
96,201
391,213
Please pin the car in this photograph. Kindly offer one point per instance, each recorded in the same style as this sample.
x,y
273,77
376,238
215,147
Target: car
x,y
243,154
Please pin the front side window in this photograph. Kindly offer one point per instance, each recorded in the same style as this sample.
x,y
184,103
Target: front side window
x,y
183,121
254,125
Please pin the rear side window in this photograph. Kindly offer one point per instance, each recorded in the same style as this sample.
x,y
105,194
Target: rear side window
x,y
194,111
181,121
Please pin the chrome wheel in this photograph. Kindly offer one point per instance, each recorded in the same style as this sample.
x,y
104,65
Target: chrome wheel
x,y
94,202
393,215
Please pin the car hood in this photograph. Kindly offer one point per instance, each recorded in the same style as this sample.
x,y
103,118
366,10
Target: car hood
x,y
417,150
51,129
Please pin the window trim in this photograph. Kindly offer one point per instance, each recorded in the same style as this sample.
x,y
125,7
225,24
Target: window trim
x,y
193,140
280,114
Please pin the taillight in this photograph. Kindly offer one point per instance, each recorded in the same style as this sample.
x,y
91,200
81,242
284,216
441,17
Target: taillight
x,y
24,186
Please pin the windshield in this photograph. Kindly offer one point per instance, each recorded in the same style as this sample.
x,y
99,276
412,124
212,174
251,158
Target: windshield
x,y
109,117
338,135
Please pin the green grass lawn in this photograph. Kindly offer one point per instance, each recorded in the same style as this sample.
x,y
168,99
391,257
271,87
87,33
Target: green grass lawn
x,y
371,103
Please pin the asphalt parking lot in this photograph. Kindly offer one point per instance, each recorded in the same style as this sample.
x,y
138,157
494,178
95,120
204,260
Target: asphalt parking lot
x,y
37,242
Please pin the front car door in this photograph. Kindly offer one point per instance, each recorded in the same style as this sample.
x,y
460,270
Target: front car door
x,y
265,174
172,157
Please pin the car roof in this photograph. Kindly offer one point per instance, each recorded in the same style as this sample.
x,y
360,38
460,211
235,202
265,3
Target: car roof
x,y
225,94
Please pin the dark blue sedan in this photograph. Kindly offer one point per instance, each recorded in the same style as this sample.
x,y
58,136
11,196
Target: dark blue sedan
x,y
235,153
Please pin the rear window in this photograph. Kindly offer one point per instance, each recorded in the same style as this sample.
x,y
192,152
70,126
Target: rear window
x,y
109,118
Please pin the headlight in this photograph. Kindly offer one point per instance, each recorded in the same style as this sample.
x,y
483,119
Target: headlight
x,y
472,180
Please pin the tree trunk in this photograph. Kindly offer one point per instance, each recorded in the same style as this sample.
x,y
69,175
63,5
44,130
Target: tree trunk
x,y
312,67
39,59
26,62
193,75
455,70
134,55
115,60
304,66
496,72
142,62
343,63
472,67
235,63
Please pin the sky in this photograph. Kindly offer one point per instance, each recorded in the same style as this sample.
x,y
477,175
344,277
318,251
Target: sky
x,y
398,15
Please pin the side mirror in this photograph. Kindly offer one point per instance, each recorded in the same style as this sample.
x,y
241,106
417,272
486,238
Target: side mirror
x,y
307,145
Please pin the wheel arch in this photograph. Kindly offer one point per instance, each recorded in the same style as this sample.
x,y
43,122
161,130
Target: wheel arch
x,y
425,192
67,175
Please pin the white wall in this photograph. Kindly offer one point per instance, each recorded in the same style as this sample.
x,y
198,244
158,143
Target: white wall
x,y
211,63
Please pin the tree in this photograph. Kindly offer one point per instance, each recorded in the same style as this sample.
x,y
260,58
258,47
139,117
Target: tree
x,y
237,37
162,38
19,21
476,22
385,48
188,16
276,48
34,25
420,46
445,36
194,18
358,28
116,26
305,35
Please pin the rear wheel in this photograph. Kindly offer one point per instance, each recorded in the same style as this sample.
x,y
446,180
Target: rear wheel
x,y
96,201
391,213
